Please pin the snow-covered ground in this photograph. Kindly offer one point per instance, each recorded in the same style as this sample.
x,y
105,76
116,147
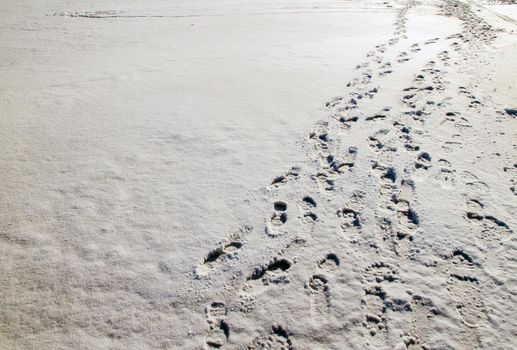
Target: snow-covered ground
x,y
260,174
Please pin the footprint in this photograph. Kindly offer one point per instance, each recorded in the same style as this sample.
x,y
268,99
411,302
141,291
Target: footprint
x,y
278,338
464,287
319,292
276,272
419,77
385,72
446,171
226,251
403,130
381,48
217,255
325,182
372,92
423,161
362,65
422,323
375,144
338,165
491,232
277,220
318,286
349,218
307,207
329,263
398,241
348,160
407,217
468,176
376,304
219,329
348,120
262,278
402,57
387,178
512,172
334,102
431,41
513,186
379,141
374,310
380,272
292,174
478,187
321,135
